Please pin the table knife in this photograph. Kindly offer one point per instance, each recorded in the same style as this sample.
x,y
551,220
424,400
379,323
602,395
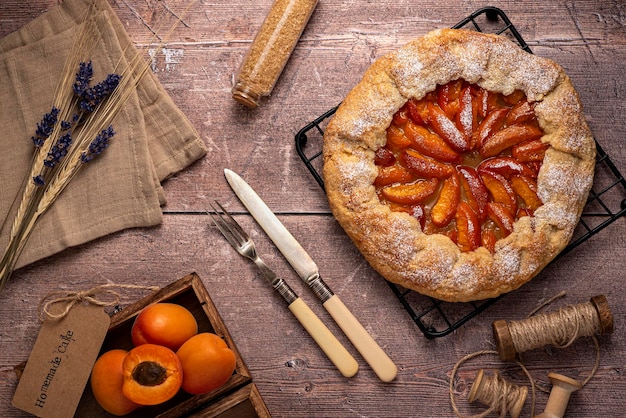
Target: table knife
x,y
308,271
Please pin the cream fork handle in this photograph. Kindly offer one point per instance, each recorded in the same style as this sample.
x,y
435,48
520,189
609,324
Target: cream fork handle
x,y
331,346
382,365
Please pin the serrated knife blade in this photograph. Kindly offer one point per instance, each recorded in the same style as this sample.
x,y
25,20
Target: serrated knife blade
x,y
308,271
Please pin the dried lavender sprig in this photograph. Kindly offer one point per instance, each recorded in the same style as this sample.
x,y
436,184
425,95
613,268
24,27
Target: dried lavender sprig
x,y
58,150
92,96
45,127
83,78
98,145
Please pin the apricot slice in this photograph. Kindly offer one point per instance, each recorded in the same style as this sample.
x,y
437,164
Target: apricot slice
x,y
448,97
522,112
417,112
492,123
396,140
468,227
425,166
489,239
410,194
167,324
446,129
499,188
430,144
475,191
153,374
533,150
507,137
444,209
207,363
393,174
505,166
501,215
106,380
465,117
526,188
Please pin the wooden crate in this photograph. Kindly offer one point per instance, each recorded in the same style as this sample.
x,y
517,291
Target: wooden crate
x,y
239,397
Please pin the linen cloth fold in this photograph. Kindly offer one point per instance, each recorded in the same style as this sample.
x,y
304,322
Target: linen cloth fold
x,y
122,187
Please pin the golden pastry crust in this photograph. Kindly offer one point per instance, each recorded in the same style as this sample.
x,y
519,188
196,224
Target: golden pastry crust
x,y
392,242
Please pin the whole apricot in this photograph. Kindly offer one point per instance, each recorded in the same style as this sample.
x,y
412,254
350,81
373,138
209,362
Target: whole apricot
x,y
106,382
166,324
153,374
207,363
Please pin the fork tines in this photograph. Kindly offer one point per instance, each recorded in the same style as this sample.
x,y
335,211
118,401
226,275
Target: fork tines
x,y
228,226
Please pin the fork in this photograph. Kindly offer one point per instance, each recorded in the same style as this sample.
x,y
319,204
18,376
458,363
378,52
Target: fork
x,y
243,244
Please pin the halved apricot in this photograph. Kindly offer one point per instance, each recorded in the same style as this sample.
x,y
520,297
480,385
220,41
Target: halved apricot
x,y
106,380
153,374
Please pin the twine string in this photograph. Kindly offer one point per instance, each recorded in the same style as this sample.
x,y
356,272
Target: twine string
x,y
497,393
102,295
560,328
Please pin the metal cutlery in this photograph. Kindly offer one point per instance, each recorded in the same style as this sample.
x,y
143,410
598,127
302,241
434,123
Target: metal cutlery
x,y
243,244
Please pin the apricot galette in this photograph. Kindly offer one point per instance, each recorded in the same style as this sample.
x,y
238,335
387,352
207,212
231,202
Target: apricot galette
x,y
459,165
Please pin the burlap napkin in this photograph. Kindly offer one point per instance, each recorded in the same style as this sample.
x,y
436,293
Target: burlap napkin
x,y
121,188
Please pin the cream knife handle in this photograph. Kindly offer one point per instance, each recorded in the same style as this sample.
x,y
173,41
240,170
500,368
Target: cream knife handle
x,y
382,365
331,346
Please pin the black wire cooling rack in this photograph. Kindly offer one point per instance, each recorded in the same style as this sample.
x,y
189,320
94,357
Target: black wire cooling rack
x,y
606,203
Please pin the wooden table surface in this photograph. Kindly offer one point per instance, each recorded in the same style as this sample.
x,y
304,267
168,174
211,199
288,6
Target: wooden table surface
x,y
587,37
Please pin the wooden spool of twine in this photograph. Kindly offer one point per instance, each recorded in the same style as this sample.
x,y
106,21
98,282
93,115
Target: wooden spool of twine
x,y
560,328
493,391
499,394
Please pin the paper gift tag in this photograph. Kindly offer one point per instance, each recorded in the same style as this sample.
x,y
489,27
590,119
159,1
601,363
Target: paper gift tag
x,y
61,361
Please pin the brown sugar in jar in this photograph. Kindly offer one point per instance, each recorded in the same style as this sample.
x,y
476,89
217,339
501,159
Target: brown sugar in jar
x,y
271,49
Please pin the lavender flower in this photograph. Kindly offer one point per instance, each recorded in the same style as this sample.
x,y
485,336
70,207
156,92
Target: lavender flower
x,y
92,96
39,180
99,144
45,127
83,78
58,150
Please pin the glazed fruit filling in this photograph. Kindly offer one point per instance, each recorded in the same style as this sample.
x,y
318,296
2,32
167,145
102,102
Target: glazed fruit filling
x,y
464,162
